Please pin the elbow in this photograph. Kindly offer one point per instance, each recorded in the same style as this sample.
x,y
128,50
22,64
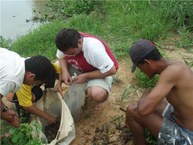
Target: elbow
x,y
113,70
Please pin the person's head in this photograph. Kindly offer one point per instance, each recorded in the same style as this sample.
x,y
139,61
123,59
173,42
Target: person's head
x,y
38,70
142,53
69,41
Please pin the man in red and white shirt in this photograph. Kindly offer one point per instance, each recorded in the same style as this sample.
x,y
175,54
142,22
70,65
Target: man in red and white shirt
x,y
92,57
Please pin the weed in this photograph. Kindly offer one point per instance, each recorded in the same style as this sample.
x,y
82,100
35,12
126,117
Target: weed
x,y
5,43
178,13
186,39
22,135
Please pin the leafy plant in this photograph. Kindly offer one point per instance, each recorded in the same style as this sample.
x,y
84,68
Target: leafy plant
x,y
23,135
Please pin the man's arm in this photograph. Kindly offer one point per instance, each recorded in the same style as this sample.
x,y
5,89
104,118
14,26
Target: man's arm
x,y
166,82
34,110
63,64
65,77
58,86
8,115
97,74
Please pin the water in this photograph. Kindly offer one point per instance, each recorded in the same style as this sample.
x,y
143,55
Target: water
x,y
16,16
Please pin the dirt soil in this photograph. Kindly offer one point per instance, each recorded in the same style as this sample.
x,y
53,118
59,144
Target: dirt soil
x,y
90,120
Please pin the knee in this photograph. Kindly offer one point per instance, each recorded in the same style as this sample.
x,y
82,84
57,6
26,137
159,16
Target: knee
x,y
131,109
97,94
130,113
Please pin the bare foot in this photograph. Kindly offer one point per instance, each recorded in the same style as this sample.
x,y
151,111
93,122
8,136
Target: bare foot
x,y
99,106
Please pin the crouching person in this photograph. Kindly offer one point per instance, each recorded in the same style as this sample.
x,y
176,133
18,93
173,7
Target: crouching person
x,y
25,98
15,71
171,121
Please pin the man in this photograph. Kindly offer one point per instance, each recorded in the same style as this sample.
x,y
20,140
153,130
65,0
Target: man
x,y
15,71
27,95
170,123
92,57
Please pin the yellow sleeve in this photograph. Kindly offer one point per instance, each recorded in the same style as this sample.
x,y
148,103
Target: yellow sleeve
x,y
57,68
24,95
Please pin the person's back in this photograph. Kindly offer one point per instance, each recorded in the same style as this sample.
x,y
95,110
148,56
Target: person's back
x,y
15,71
12,69
181,96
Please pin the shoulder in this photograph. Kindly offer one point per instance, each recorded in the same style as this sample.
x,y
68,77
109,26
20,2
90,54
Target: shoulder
x,y
174,71
92,42
176,67
26,87
56,67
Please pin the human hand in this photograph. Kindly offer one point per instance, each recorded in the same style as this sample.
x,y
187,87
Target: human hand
x,y
11,112
81,78
5,135
51,119
13,121
66,78
58,88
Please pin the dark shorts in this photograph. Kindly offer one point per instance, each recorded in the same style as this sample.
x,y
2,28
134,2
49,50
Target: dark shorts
x,y
171,133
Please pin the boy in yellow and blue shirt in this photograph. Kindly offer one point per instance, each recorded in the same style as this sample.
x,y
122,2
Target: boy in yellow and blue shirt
x,y
27,95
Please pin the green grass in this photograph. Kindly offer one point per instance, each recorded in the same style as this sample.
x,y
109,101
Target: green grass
x,y
39,41
119,23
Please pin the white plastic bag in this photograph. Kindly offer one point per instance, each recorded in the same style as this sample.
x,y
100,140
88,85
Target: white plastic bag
x,y
53,104
75,99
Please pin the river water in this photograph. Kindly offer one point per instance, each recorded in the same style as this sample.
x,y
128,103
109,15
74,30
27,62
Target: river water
x,y
16,16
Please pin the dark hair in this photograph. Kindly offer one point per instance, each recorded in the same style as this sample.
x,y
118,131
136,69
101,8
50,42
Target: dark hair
x,y
67,38
153,55
41,67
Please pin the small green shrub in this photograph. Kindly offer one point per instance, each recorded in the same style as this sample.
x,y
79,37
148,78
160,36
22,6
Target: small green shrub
x,y
23,135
